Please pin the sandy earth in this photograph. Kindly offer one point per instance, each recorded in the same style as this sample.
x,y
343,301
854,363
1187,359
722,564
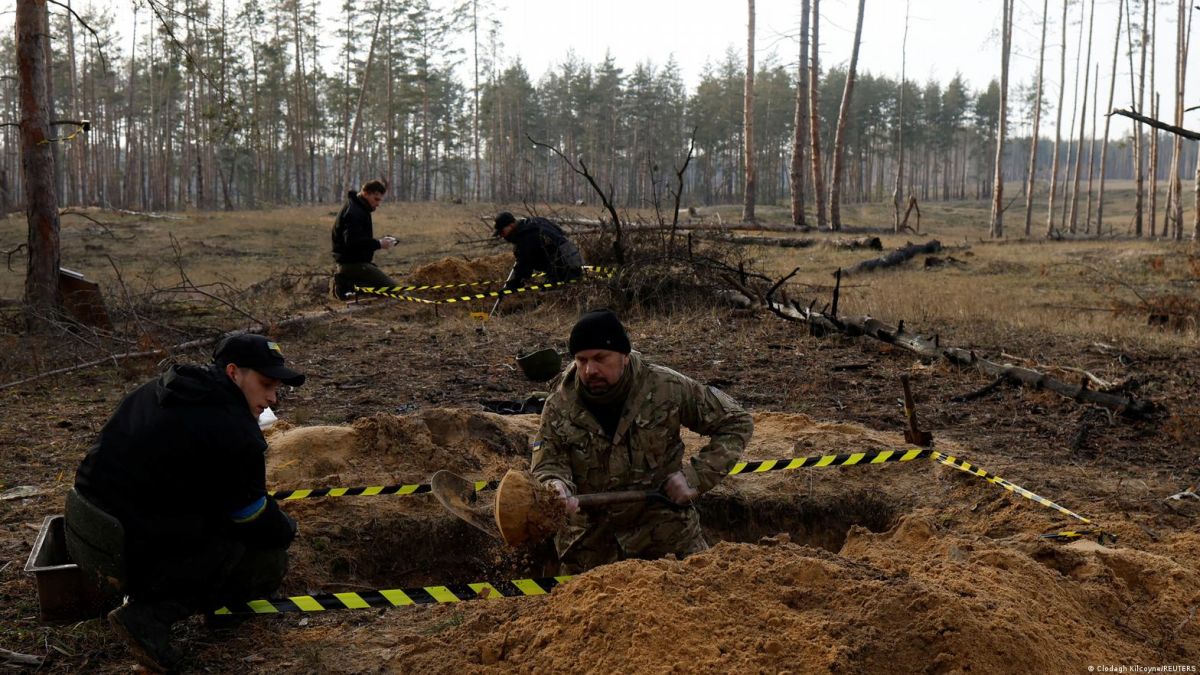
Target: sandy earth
x,y
916,567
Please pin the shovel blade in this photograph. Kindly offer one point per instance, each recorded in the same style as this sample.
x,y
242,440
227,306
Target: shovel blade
x,y
458,496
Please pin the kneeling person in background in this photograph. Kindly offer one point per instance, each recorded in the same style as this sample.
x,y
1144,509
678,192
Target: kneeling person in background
x,y
181,465
354,242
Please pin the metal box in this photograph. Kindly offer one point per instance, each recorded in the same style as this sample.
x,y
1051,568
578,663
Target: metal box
x,y
65,593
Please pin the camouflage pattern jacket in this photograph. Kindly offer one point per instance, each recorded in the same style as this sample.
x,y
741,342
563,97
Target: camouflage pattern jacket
x,y
572,447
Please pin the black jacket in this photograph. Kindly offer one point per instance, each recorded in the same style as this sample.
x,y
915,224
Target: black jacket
x,y
180,459
353,236
540,245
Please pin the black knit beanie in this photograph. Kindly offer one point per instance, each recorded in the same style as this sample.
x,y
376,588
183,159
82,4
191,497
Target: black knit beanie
x,y
599,329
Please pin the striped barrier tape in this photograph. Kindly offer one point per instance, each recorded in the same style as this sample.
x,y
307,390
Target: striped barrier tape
x,y
368,490
389,291
966,467
756,466
397,597
752,467
850,459
434,287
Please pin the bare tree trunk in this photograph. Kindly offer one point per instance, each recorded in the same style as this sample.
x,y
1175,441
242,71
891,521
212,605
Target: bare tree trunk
x,y
1112,87
814,118
751,183
1031,173
1062,89
1183,27
41,304
365,84
897,191
475,105
1082,122
800,136
1153,163
1087,219
997,230
839,138
1139,177
1154,112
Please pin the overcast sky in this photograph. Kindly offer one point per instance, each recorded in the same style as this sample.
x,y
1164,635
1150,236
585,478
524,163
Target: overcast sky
x,y
944,37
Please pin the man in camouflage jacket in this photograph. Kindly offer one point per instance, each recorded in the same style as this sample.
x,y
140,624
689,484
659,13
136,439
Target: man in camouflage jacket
x,y
612,424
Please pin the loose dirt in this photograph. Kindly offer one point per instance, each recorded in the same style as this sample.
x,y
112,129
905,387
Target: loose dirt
x,y
902,567
897,568
458,270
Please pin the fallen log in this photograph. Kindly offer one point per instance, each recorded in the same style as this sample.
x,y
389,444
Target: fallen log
x,y
821,324
588,225
894,258
872,243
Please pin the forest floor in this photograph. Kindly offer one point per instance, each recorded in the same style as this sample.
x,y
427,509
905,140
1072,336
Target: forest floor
x,y
898,567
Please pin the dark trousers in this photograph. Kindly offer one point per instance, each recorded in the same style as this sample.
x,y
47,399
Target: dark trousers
x,y
349,275
213,573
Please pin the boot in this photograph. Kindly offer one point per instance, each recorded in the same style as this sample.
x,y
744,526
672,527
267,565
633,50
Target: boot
x,y
148,634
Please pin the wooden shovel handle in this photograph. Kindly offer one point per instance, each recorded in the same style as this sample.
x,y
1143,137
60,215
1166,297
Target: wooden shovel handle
x,y
600,499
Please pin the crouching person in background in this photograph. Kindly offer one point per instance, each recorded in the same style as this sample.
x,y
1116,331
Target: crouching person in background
x,y
181,466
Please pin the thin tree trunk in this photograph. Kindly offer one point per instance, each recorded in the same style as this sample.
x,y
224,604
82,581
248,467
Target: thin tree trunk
x,y
1139,142
1112,87
897,191
1062,89
814,117
800,134
1087,219
1082,122
997,230
1154,105
839,138
41,303
751,182
1031,173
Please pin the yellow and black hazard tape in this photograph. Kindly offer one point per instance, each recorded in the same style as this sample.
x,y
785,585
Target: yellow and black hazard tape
x,y
849,459
368,491
434,287
398,597
966,467
760,466
754,466
394,291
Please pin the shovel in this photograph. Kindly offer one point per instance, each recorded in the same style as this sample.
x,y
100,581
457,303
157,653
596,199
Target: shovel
x,y
913,434
524,511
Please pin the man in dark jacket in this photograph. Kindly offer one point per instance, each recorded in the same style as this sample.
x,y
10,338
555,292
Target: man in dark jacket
x,y
181,465
538,245
354,242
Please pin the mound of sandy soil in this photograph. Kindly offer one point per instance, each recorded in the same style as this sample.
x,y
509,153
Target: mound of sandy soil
x,y
399,448
457,270
891,568
913,599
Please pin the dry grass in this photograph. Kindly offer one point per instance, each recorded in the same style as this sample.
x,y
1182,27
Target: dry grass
x,y
1067,288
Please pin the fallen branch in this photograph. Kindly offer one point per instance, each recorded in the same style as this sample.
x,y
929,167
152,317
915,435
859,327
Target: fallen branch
x,y
872,243
821,324
15,659
1178,131
896,257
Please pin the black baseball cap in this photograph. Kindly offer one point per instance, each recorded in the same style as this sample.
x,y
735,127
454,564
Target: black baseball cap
x,y
256,353
503,220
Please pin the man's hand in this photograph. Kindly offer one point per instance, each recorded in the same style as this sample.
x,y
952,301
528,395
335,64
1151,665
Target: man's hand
x,y
387,242
678,490
570,504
